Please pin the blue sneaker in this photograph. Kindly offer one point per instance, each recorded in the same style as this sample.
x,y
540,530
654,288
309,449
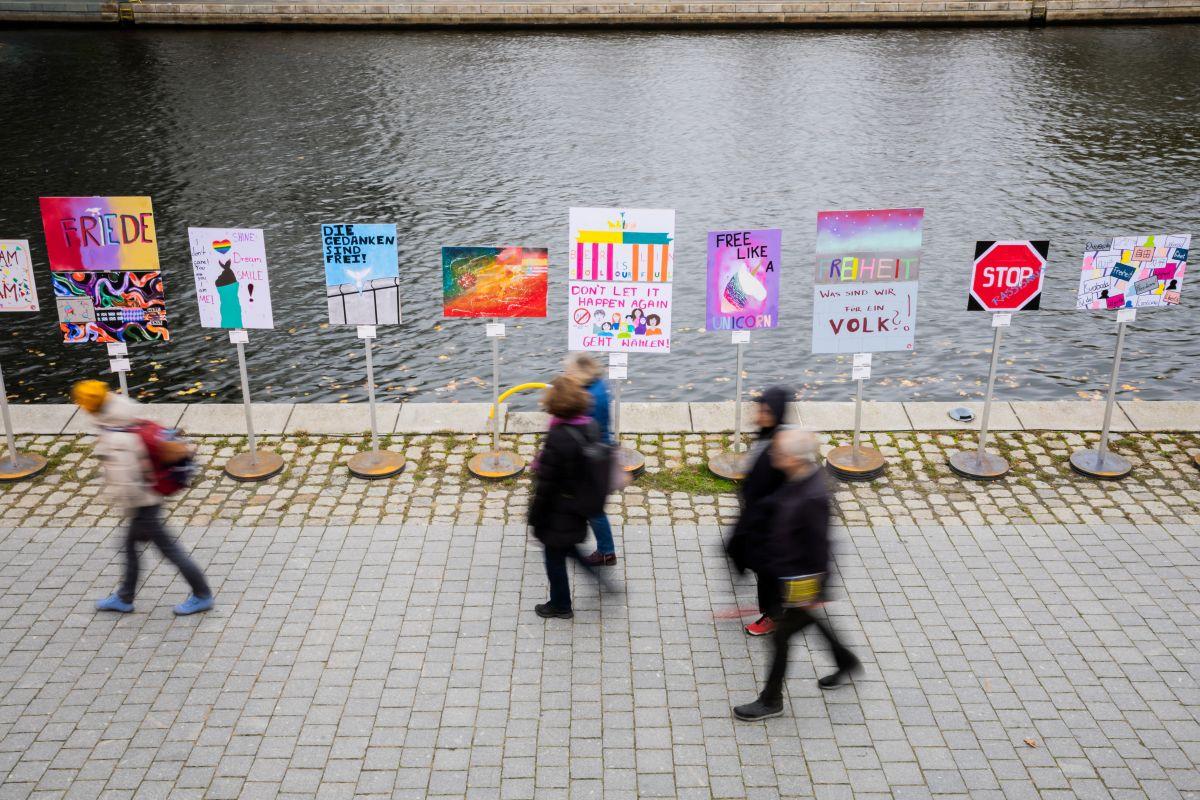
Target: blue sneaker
x,y
114,603
193,605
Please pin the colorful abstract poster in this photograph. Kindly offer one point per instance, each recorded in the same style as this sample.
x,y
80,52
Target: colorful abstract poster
x,y
232,288
100,234
743,280
109,307
17,289
865,290
1133,271
620,265
362,277
495,281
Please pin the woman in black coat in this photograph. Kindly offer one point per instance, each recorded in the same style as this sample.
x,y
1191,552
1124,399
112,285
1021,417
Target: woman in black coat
x,y
762,479
557,521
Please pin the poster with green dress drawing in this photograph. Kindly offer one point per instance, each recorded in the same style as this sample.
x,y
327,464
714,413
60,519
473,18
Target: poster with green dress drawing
x,y
231,277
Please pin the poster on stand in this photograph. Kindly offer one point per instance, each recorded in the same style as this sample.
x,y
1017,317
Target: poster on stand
x,y
103,254
18,292
1133,271
362,274
232,285
620,265
743,280
495,281
865,288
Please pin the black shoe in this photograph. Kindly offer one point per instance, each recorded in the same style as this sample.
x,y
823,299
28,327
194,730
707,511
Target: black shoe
x,y
841,677
757,710
547,611
598,559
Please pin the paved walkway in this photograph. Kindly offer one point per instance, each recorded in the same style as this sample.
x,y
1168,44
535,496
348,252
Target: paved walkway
x,y
405,661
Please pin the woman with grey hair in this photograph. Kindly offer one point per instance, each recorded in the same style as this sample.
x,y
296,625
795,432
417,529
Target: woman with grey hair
x,y
587,370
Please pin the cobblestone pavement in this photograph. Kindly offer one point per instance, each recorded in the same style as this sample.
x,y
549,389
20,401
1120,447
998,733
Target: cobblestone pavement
x,y
394,661
917,489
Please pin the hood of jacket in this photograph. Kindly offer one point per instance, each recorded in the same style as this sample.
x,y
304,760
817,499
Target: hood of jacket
x,y
118,411
776,399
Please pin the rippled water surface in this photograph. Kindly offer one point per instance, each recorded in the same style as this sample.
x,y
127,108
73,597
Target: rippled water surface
x,y
488,137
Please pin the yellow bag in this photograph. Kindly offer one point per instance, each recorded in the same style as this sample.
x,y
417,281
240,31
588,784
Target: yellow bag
x,y
800,591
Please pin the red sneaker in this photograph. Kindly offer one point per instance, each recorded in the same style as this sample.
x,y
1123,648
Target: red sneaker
x,y
762,627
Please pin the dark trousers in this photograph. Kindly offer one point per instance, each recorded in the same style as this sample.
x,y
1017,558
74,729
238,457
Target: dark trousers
x,y
147,526
556,573
769,600
789,623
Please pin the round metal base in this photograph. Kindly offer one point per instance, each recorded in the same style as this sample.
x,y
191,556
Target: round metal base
x,y
256,466
730,465
865,464
631,461
375,464
1111,468
983,466
24,465
1196,460
495,465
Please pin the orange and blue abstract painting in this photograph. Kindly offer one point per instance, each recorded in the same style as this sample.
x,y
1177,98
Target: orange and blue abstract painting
x,y
495,281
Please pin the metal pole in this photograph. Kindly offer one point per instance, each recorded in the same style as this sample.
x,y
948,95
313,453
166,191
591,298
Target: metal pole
x,y
857,419
495,393
1112,393
737,406
371,396
8,428
241,351
987,401
124,385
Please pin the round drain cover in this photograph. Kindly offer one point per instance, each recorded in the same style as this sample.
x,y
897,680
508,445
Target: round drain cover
x,y
962,414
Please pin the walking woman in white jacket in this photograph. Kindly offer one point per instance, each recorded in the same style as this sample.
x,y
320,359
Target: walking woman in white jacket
x,y
128,473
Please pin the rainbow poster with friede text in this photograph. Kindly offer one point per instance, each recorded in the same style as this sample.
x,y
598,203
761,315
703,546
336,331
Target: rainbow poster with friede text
x,y
103,254
100,234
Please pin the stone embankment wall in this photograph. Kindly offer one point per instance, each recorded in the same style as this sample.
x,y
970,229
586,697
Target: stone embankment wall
x,y
628,12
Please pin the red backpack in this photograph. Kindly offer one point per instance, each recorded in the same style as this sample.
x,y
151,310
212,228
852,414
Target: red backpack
x,y
172,457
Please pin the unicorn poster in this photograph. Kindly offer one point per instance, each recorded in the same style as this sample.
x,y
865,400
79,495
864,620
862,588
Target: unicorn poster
x,y
743,280
230,266
362,279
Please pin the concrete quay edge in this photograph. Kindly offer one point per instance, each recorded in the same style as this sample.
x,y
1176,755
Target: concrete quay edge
x,y
269,13
323,419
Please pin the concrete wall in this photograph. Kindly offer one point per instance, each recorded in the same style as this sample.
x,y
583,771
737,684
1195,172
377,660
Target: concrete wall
x,y
494,12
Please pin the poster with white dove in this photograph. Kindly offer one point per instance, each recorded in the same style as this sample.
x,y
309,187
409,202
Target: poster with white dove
x,y
362,277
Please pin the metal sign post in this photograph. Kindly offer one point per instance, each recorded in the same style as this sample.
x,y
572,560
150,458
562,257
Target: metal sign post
x,y
1102,463
731,464
15,465
374,463
255,465
118,362
496,463
630,460
981,464
856,462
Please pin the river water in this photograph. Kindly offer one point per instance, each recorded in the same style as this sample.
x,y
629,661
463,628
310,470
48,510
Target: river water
x,y
488,137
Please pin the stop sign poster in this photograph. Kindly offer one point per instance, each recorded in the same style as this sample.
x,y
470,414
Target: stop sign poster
x,y
865,292
1133,271
1008,276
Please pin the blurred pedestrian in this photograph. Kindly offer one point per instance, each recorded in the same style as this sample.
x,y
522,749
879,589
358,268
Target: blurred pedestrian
x,y
761,481
587,370
570,485
132,483
795,554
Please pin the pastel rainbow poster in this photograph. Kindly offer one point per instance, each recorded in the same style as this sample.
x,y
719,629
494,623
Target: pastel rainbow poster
x,y
100,234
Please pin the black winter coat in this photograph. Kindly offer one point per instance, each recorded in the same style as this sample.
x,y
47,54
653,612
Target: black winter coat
x,y
553,513
797,537
760,483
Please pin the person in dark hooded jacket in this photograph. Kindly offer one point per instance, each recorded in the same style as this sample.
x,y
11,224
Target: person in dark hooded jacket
x,y
554,514
762,480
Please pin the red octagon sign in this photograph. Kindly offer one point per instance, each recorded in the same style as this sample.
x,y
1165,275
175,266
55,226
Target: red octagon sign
x,y
1008,276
